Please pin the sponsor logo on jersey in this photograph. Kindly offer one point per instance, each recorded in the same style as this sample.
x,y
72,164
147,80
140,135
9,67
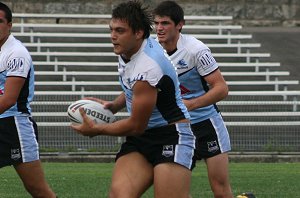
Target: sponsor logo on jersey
x,y
181,64
212,146
134,79
16,64
168,150
15,154
150,43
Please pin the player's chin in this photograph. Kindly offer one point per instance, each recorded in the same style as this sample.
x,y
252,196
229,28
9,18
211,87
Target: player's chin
x,y
161,38
118,50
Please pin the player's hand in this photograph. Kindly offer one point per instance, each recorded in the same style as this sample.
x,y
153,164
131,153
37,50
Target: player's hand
x,y
188,104
87,127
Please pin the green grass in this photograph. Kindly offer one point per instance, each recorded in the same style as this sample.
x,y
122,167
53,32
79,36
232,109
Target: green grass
x,y
91,180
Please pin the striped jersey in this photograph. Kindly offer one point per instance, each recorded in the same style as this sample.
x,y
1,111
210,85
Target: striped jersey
x,y
193,61
15,60
153,65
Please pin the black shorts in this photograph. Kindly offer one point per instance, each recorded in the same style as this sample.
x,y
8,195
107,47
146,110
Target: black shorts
x,y
172,143
212,137
18,140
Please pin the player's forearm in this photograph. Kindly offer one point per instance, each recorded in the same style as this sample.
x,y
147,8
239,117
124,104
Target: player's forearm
x,y
213,96
125,127
119,103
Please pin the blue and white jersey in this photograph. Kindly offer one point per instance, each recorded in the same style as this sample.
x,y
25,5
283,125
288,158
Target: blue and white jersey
x,y
153,65
193,61
15,60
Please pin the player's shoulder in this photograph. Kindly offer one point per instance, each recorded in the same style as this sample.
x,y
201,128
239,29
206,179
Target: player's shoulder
x,y
12,42
191,43
15,46
152,55
154,48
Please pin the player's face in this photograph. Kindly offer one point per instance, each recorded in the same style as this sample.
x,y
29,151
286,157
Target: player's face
x,y
4,28
124,40
166,30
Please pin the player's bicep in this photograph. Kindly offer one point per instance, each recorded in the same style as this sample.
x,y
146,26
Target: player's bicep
x,y
143,103
13,86
215,78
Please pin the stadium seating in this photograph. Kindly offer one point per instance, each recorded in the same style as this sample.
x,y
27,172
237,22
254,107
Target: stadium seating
x,y
73,58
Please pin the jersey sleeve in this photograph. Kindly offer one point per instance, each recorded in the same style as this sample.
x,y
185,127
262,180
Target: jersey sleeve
x,y
153,76
18,63
148,71
206,63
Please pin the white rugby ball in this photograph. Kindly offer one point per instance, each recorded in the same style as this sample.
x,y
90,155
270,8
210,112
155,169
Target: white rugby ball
x,y
93,110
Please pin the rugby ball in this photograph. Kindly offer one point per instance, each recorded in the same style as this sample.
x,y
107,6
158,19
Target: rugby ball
x,y
93,110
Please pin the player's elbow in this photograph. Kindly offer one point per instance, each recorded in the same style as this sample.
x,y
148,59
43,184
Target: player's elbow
x,y
138,128
6,104
224,91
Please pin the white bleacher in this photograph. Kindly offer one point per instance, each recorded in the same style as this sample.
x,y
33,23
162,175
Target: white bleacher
x,y
284,93
54,46
65,73
116,93
24,16
239,46
225,114
22,27
101,94
48,55
243,124
57,17
257,65
74,83
56,64
37,35
57,54
27,16
294,105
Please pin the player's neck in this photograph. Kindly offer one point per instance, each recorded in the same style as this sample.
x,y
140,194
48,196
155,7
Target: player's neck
x,y
129,53
170,53
3,40
171,45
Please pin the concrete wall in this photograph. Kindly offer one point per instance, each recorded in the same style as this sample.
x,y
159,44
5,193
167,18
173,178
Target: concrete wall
x,y
245,12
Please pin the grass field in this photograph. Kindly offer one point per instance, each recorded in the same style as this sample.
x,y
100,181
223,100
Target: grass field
x,y
91,180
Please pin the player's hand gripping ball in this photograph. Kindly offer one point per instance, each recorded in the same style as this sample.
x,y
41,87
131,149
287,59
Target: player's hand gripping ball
x,y
93,110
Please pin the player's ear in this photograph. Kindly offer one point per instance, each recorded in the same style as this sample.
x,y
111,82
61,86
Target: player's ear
x,y
139,34
179,25
9,25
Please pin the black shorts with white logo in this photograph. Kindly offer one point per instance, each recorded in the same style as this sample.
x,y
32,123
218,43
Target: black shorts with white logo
x,y
172,143
212,137
18,140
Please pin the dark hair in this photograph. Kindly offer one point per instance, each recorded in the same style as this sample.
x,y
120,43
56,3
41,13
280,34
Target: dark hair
x,y
137,17
7,12
170,9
